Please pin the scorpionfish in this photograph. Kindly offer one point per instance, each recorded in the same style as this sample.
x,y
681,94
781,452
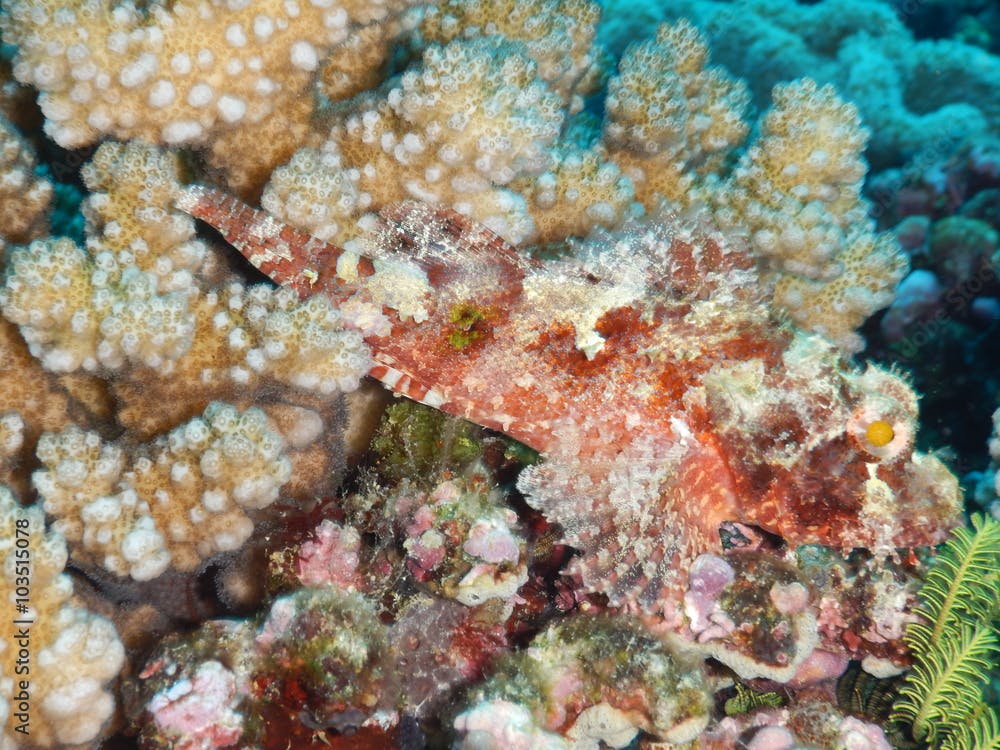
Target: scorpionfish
x,y
667,399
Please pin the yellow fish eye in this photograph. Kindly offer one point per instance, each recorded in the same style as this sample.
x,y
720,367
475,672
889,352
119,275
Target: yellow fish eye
x,y
879,433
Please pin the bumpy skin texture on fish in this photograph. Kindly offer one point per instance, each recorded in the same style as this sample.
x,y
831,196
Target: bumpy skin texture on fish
x,y
664,396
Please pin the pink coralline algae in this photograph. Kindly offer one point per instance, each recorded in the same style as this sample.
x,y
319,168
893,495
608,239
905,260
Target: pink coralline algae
x,y
709,575
192,693
664,395
331,557
750,611
201,710
858,735
815,723
461,541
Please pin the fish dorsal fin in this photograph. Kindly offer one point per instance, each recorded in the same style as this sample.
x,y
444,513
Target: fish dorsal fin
x,y
446,243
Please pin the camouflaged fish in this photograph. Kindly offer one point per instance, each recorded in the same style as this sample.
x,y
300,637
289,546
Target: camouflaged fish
x,y
664,395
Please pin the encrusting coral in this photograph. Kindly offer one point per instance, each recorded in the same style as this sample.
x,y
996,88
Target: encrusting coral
x,y
194,690
331,644
756,633
590,679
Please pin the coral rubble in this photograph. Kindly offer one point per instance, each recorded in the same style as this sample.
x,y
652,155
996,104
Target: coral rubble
x,y
592,679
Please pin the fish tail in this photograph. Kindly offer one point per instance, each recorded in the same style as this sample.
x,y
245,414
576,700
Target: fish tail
x,y
287,255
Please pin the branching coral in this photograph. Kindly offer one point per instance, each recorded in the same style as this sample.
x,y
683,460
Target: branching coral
x,y
916,94
671,127
230,76
24,197
797,192
581,190
673,123
132,189
32,398
174,503
139,302
79,313
427,138
672,119
147,306
473,127
558,36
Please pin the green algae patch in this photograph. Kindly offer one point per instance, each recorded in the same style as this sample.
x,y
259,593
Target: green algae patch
x,y
468,324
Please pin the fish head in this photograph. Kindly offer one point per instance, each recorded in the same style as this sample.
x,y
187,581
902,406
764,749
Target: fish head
x,y
823,453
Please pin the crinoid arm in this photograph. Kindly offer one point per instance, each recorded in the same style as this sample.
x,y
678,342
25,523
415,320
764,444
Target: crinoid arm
x,y
982,731
956,644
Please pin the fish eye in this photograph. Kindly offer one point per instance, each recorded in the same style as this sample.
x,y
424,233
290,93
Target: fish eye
x,y
879,433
